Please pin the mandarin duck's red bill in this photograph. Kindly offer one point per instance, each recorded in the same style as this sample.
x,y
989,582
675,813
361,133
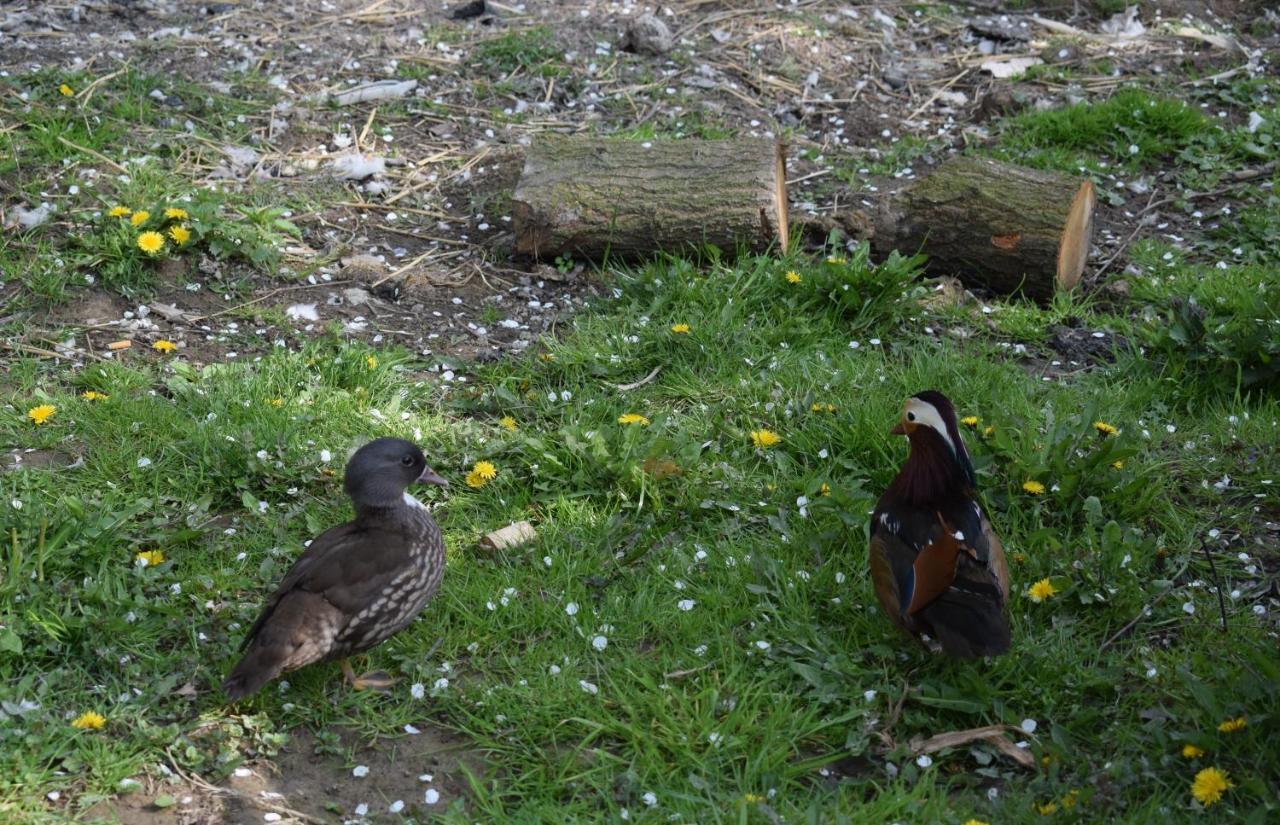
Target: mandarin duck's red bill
x,y
358,583
937,568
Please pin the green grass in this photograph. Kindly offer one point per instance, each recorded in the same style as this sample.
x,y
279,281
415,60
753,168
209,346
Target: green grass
x,y
757,689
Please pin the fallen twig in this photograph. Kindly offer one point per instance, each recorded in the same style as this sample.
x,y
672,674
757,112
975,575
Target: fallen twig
x,y
1144,612
640,383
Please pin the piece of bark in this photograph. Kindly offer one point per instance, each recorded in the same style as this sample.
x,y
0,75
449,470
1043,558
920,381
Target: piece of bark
x,y
1000,226
624,199
510,536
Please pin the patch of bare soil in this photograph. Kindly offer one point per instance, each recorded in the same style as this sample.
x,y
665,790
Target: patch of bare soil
x,y
413,775
854,88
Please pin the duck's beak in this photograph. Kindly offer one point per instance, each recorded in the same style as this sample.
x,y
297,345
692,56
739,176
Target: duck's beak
x,y
430,476
899,429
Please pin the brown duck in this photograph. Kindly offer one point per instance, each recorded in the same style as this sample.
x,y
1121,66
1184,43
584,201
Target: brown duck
x,y
937,568
358,583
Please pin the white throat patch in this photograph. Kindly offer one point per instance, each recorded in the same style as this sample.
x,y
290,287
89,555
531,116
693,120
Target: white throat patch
x,y
923,414
413,502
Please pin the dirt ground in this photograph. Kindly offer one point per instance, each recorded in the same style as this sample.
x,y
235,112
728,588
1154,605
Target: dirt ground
x,y
416,255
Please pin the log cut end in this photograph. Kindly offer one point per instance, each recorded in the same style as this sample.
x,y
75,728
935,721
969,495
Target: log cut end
x,y
1073,247
780,206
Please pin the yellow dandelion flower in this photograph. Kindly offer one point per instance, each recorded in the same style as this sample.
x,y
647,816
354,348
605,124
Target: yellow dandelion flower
x,y
149,558
1041,591
835,259
825,489
481,474
164,346
1233,725
1209,785
94,395
793,277
1118,464
42,413
508,423
1072,797
1104,428
371,361
89,720
974,822
680,329
151,242
1190,751
969,421
547,356
276,402
633,418
752,798
1019,558
765,438
989,431
1035,488
176,214
66,91
180,234
119,211
140,217
1047,808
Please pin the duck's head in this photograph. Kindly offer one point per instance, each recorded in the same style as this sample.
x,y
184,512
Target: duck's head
x,y
380,471
929,421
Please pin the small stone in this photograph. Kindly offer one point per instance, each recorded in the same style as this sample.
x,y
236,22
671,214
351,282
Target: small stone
x,y
647,34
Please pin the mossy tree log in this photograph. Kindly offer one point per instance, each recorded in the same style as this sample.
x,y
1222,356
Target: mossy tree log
x,y
625,199
1004,227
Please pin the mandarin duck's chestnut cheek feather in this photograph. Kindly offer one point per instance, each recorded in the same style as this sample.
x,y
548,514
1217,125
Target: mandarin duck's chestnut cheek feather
x,y
936,566
358,583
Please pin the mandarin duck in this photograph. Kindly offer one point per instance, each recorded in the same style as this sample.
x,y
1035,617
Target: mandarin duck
x,y
937,568
358,583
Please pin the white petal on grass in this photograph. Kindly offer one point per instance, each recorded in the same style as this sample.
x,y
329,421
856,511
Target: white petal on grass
x,y
440,684
1189,608
599,642
417,691
714,738
686,604
362,809
411,730
359,771
650,798
144,462
588,687
1029,725
554,670
762,644
869,695
396,807
571,608
431,797
924,760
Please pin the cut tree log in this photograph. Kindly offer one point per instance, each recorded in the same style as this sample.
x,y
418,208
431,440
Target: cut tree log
x,y
625,199
1002,226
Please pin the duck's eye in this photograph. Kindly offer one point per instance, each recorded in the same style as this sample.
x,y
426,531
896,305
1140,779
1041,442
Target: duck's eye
x,y
911,416
407,461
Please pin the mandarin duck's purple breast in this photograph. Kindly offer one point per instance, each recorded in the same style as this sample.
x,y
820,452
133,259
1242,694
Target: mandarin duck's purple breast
x,y
937,568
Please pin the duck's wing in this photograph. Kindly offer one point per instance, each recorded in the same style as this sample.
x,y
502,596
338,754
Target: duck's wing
x,y
931,576
343,566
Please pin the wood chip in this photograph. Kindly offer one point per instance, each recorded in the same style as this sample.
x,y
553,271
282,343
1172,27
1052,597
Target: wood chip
x,y
510,536
119,345
991,734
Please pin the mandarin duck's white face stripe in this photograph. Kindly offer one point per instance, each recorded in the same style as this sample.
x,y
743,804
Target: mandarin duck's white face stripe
x,y
923,414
